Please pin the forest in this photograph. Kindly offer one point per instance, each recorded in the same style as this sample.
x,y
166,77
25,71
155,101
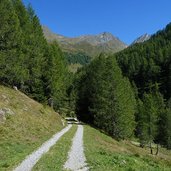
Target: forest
x,y
127,94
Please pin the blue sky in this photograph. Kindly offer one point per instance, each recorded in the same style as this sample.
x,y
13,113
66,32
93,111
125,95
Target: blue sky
x,y
126,19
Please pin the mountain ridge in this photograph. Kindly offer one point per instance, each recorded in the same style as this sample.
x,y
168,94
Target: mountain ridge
x,y
91,45
141,39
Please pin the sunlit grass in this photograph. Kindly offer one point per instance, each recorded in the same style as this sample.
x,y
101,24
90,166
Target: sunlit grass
x,y
104,153
26,130
57,156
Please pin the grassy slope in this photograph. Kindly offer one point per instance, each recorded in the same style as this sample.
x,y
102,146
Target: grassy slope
x,y
28,128
104,153
57,156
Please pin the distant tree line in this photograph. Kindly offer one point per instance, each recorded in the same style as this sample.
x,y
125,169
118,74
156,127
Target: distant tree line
x,y
79,57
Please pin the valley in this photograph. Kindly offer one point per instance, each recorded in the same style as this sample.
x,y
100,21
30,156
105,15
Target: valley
x,y
118,94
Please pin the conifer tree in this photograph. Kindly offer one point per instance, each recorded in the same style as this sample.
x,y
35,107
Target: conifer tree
x,y
150,112
9,44
168,128
165,127
107,98
55,75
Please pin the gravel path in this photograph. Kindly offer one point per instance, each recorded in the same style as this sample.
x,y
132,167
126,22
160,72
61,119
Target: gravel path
x,y
33,158
76,158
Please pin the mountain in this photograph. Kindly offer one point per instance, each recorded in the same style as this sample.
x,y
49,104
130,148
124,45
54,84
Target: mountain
x,y
91,45
142,39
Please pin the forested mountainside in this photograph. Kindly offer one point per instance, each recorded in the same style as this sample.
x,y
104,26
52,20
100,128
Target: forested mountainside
x,y
79,51
133,100
127,95
148,63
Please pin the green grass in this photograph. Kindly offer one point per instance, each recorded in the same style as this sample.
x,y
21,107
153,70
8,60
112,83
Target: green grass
x,y
32,124
104,153
22,133
57,156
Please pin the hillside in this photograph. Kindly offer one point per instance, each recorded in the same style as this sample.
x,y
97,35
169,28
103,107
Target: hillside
x,y
24,125
124,97
91,45
149,62
105,153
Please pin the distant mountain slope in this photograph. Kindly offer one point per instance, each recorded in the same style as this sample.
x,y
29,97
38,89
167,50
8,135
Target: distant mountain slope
x,y
91,45
142,39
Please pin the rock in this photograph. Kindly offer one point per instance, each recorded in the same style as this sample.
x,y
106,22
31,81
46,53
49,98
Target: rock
x,y
15,88
4,112
63,122
8,111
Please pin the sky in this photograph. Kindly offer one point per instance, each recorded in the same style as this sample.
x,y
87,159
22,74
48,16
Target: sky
x,y
125,19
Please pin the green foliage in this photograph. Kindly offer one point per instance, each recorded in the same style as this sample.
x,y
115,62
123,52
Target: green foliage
x,y
80,58
146,64
26,59
9,43
148,119
165,127
106,99
104,96
98,92
149,62
55,75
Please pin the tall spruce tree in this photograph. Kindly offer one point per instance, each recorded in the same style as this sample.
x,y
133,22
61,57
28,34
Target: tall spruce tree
x,y
9,43
150,112
107,98
168,129
165,126
55,76
36,46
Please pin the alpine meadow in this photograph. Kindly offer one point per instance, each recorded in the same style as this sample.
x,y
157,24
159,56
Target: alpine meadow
x,y
88,103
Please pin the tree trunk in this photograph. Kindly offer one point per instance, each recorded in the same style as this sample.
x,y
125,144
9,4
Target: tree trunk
x,y
151,149
157,150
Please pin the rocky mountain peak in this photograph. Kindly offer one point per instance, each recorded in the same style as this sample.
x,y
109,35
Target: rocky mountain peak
x,y
142,39
92,45
105,36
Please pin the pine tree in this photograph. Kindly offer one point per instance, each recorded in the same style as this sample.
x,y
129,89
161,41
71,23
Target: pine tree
x,y
168,129
107,99
148,128
55,76
9,43
165,126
